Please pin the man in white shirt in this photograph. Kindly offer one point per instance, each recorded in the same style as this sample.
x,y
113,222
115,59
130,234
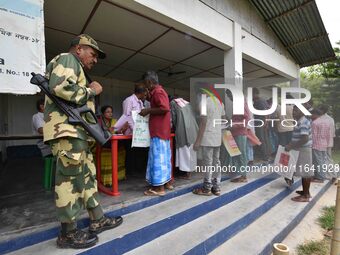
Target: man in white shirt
x,y
37,128
136,158
209,138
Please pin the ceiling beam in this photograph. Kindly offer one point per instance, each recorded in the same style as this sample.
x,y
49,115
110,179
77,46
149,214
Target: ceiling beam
x,y
90,16
138,51
304,40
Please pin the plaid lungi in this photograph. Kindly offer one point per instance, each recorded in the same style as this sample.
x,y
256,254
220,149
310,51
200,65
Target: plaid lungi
x,y
158,171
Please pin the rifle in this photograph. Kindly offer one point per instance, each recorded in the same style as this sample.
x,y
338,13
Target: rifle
x,y
74,112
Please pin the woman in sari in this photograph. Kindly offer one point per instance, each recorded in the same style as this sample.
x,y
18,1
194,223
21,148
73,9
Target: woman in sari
x,y
106,165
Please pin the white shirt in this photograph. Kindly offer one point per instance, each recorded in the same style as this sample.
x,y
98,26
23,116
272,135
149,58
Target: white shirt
x,y
213,135
38,122
330,120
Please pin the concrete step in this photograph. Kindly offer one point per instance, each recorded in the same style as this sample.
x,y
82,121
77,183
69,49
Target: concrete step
x,y
184,223
25,237
142,226
215,227
272,227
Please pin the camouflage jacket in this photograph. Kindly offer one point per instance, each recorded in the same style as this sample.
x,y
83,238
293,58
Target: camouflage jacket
x,y
66,80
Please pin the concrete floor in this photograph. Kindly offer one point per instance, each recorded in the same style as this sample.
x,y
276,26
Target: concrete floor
x,y
25,205
309,229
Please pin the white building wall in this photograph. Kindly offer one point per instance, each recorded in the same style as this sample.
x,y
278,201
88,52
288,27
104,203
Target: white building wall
x,y
212,22
244,13
208,20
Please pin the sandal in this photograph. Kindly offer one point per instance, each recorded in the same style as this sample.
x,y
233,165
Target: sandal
x,y
202,191
168,186
184,177
317,180
300,199
239,179
300,192
151,192
216,192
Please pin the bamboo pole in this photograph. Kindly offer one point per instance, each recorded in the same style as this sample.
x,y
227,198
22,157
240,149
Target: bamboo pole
x,y
335,245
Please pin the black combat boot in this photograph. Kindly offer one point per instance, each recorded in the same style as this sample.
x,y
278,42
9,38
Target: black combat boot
x,y
104,223
76,239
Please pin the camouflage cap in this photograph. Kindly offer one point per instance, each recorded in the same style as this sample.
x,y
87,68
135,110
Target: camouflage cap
x,y
84,39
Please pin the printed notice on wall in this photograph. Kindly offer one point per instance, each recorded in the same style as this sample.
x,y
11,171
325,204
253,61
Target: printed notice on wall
x,y
22,45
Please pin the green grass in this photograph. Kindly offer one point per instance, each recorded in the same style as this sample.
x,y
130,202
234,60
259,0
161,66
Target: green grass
x,y
314,248
326,220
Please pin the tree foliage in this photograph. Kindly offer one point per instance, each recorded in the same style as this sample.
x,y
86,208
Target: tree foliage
x,y
323,81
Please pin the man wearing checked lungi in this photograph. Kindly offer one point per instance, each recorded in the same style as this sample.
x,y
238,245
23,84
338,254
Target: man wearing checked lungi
x,y
158,171
302,142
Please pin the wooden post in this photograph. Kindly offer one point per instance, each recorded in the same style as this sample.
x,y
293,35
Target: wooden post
x,y
335,245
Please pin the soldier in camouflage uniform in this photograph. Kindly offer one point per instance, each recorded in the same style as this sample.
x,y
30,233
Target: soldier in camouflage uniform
x,y
75,183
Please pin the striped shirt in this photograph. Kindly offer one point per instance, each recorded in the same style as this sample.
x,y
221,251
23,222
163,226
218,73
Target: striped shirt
x,y
302,128
321,133
332,129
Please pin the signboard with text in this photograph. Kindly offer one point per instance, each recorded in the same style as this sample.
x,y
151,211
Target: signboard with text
x,y
141,134
22,45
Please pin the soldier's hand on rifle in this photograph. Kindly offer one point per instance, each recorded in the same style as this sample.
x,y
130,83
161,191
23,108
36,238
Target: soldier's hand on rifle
x,y
96,86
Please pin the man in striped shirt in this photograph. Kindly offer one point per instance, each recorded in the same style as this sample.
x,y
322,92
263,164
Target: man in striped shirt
x,y
324,111
302,142
321,132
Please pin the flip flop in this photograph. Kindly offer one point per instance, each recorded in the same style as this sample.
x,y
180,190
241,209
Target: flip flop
x,y
216,192
202,191
300,192
317,180
239,180
300,199
184,177
169,186
151,192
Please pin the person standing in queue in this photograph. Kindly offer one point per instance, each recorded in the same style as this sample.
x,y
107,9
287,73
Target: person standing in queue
x,y
158,171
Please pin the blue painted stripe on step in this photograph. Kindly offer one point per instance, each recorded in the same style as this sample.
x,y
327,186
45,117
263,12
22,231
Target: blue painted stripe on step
x,y
225,234
34,238
146,234
37,237
27,240
155,200
279,237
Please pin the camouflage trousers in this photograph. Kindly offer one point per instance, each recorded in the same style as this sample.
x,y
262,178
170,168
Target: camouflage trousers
x,y
75,180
